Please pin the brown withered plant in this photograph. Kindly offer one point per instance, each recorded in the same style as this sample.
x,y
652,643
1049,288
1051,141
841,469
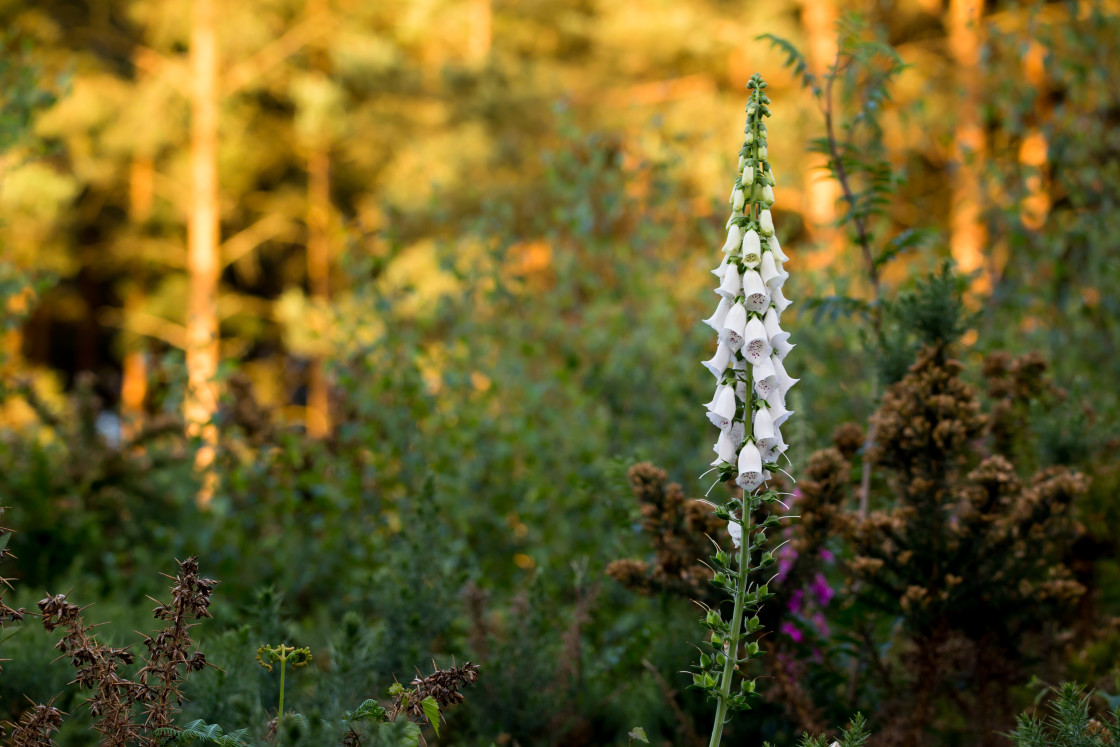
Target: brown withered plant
x,y
36,726
442,685
167,665
678,528
969,555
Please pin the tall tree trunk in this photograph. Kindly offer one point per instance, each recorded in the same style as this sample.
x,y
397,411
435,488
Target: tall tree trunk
x,y
821,191
478,44
203,263
967,235
318,273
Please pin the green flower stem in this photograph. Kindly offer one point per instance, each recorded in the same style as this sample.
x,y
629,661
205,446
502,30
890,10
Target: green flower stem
x,y
283,668
736,629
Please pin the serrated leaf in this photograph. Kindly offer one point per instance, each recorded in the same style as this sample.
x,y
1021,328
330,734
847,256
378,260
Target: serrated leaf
x,y
638,733
431,712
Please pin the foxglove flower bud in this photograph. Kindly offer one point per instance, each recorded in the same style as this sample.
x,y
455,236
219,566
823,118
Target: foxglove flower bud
x,y
766,223
739,199
734,239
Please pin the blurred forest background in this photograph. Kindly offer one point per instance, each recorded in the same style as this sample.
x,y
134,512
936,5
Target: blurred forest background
x,y
373,306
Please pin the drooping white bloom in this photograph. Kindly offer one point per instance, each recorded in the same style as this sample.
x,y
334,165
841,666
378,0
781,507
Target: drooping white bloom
x,y
718,364
748,174
715,397
768,195
765,378
734,238
771,275
778,412
718,272
740,200
772,242
736,433
750,467
731,285
774,332
780,301
723,411
757,347
752,249
715,321
734,327
782,348
756,295
724,449
774,448
764,430
785,381
765,223
735,529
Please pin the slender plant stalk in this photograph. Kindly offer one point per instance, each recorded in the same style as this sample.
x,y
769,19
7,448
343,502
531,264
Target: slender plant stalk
x,y
280,711
736,626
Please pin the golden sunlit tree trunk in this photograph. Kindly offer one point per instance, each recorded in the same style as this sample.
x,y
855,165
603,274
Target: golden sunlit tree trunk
x,y
967,235
478,44
821,191
318,272
203,262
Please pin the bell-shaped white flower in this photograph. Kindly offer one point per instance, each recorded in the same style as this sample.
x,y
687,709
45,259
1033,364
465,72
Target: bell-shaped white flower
x,y
765,378
757,348
750,467
765,223
785,381
762,151
731,285
763,430
756,295
772,243
718,272
715,397
734,327
771,275
735,529
774,448
734,238
742,160
737,432
748,174
782,348
724,449
739,199
718,364
752,248
768,195
768,177
780,301
777,405
723,411
715,321
774,332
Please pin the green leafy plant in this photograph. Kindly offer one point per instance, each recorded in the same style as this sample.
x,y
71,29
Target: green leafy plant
x,y
283,655
1069,723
